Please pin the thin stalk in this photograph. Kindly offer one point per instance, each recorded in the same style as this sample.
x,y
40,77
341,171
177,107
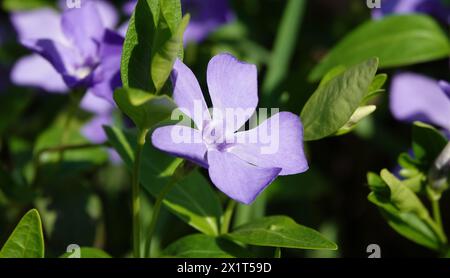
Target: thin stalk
x,y
155,214
135,192
225,227
437,213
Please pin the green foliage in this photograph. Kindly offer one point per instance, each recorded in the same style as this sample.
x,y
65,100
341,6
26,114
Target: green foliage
x,y
336,100
143,108
27,240
280,231
87,253
154,40
397,41
403,210
14,5
192,199
203,246
427,144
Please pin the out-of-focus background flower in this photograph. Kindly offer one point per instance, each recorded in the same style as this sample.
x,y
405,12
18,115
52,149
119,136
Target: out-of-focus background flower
x,y
84,198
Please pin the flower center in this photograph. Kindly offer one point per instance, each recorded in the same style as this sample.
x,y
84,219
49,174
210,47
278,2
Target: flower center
x,y
214,136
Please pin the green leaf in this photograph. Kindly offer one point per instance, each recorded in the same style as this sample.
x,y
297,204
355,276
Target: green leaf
x,y
280,231
403,210
203,246
360,114
407,224
285,42
192,199
334,102
402,197
27,240
87,253
14,5
64,132
376,88
154,39
143,108
427,144
397,41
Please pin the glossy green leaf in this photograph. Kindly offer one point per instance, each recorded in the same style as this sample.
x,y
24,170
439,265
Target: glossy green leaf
x,y
403,210
27,240
154,39
203,246
192,199
397,41
407,224
280,231
334,102
86,253
145,109
427,143
403,197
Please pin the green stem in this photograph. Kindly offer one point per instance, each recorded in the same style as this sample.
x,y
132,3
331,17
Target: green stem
x,y
135,192
277,254
155,214
437,213
227,217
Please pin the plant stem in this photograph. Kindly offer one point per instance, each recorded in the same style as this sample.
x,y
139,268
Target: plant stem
x,y
277,254
135,192
227,217
437,213
155,214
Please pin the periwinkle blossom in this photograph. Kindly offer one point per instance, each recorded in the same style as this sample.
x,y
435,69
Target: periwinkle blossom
x,y
237,164
206,17
415,97
434,8
74,49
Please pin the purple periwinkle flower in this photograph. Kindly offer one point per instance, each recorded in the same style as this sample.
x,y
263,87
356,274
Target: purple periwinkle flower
x,y
77,44
206,17
237,165
435,8
73,49
415,97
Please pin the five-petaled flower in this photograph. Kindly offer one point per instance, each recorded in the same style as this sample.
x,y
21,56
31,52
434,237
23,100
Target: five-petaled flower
x,y
73,49
239,167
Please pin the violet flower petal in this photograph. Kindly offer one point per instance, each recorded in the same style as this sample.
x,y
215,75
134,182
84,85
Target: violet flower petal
x,y
38,24
238,179
206,16
445,86
93,130
60,56
106,10
188,95
192,149
415,97
35,71
84,28
285,152
95,104
232,85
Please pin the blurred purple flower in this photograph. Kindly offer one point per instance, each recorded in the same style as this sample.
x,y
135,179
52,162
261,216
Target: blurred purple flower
x,y
435,8
415,97
74,49
237,166
206,17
